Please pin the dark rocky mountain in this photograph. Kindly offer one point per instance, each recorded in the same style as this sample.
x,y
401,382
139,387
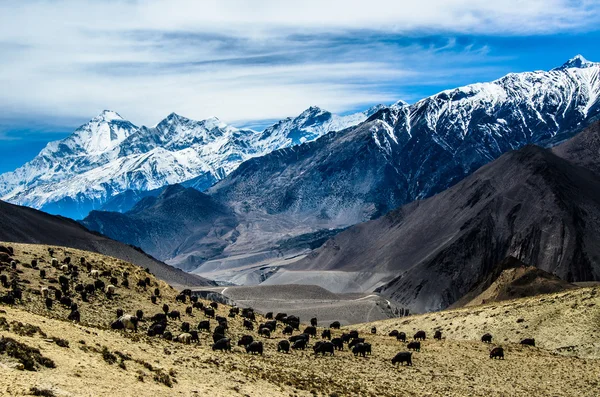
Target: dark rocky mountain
x,y
512,279
26,225
408,152
530,204
177,221
401,153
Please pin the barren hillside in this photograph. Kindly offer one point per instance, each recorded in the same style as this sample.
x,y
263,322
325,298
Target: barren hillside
x,y
99,361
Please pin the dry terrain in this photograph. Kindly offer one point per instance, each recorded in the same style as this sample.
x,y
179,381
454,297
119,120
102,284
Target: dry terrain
x,y
103,362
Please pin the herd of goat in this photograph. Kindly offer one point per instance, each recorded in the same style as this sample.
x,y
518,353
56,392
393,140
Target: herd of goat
x,y
159,322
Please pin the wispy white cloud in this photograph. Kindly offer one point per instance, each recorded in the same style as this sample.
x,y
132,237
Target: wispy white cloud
x,y
247,60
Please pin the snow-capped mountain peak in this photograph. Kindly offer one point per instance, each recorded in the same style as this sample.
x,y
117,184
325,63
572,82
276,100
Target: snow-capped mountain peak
x,y
579,62
108,115
109,155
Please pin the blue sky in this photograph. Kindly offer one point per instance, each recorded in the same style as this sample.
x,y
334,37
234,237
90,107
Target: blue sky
x,y
248,63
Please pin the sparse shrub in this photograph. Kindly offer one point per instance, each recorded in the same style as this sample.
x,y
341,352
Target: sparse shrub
x,y
61,342
30,357
164,378
108,356
34,391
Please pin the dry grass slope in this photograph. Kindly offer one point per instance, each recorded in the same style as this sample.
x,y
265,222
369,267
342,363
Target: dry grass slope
x,y
103,362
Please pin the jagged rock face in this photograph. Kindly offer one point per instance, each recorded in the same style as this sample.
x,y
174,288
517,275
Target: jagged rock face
x,y
403,153
109,156
530,204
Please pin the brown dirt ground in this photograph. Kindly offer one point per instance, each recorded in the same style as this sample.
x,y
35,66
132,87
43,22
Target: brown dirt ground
x,y
565,363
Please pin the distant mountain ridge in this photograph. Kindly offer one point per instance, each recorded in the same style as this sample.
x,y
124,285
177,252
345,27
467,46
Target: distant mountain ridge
x,y
400,154
109,155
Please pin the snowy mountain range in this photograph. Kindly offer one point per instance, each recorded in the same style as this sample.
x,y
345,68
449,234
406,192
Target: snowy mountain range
x,y
401,154
109,156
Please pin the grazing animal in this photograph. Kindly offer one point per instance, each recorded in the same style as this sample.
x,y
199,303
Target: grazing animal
x,y
255,347
45,292
401,358
159,318
153,299
299,344
269,315
188,310
280,316
66,301
157,328
74,316
437,335
110,290
193,299
99,285
222,344
185,338
90,288
288,330
49,303
486,338
95,273
165,308
174,315
313,321
355,342
497,352
353,334
139,314
209,312
345,337
181,298
195,337
125,284
156,292
420,335
64,268
361,349
198,305
142,284
324,347
185,327
187,292
74,306
214,305
120,312
216,337
114,280
126,321
266,332
167,335
283,346
54,262
298,337
219,329
42,273
338,343
326,334
373,330
248,325
204,325
416,346
335,325
528,342
312,331
245,340
401,337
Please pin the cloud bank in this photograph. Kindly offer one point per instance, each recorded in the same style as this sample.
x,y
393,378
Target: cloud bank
x,y
245,61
